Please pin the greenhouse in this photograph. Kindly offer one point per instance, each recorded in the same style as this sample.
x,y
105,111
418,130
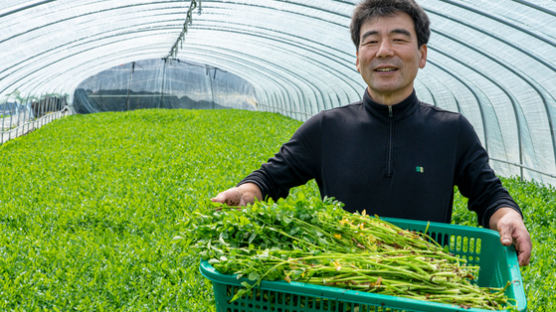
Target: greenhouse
x,y
120,120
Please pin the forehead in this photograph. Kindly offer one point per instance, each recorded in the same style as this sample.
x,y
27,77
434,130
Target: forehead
x,y
385,24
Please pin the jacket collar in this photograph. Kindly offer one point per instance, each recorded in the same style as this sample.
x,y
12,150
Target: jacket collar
x,y
399,110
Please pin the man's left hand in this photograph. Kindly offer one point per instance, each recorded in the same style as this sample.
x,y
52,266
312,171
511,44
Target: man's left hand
x,y
509,224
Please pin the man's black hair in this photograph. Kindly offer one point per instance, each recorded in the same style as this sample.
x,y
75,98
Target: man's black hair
x,y
378,8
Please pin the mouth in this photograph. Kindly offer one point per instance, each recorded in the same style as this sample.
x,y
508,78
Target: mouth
x,y
385,69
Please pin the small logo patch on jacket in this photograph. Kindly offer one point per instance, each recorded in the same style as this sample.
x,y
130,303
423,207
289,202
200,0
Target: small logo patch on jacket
x,y
419,169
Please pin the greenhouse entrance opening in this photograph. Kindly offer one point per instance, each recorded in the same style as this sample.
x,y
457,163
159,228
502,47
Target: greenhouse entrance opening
x,y
163,83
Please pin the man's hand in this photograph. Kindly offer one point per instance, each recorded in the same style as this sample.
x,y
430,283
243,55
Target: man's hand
x,y
509,224
239,196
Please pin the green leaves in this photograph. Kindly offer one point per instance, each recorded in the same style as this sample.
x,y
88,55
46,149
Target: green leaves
x,y
90,206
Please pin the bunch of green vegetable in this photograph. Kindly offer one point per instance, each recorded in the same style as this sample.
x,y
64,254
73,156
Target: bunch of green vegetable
x,y
318,242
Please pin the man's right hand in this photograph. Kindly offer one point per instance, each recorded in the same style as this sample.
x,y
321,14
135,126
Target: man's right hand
x,y
239,196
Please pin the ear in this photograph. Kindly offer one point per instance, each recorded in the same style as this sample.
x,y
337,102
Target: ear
x,y
357,61
423,53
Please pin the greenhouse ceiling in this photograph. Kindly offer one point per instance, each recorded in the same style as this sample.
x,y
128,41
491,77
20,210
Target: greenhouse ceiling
x,y
493,61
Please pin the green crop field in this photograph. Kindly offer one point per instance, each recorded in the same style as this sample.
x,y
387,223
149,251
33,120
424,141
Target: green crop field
x,y
91,206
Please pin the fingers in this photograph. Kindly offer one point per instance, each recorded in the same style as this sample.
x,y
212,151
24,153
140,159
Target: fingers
x,y
523,246
512,230
242,195
515,232
230,197
523,257
220,198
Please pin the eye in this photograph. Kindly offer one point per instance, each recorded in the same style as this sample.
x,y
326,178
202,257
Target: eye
x,y
370,41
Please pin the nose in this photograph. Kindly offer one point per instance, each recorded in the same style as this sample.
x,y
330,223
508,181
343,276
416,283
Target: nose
x,y
384,49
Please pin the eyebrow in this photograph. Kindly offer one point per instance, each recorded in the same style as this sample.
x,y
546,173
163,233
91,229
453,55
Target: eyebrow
x,y
394,31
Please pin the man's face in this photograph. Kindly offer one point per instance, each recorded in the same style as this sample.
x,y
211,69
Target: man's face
x,y
389,58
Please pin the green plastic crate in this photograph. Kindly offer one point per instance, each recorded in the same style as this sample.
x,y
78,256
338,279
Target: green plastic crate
x,y
498,264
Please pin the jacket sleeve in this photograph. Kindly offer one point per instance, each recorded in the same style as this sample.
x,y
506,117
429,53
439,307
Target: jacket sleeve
x,y
295,163
475,178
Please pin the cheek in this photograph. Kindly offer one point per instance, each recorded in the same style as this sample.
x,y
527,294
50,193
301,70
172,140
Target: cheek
x,y
414,63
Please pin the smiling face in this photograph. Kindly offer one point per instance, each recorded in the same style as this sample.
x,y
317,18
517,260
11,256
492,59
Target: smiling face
x,y
388,57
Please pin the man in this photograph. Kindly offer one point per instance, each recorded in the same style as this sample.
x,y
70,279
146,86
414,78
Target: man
x,y
389,153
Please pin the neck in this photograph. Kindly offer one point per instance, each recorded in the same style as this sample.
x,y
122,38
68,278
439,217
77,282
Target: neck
x,y
400,110
388,99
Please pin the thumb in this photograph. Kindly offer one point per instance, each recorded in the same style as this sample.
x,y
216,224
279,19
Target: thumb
x,y
506,235
220,198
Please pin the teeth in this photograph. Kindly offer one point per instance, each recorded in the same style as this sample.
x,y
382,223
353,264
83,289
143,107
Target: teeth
x,y
389,69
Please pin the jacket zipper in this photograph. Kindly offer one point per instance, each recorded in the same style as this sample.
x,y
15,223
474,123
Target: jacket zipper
x,y
390,119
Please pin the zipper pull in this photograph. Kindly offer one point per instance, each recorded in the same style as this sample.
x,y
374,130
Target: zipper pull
x,y
390,111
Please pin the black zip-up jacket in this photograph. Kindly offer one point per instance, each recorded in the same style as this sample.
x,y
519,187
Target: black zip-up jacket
x,y
394,161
